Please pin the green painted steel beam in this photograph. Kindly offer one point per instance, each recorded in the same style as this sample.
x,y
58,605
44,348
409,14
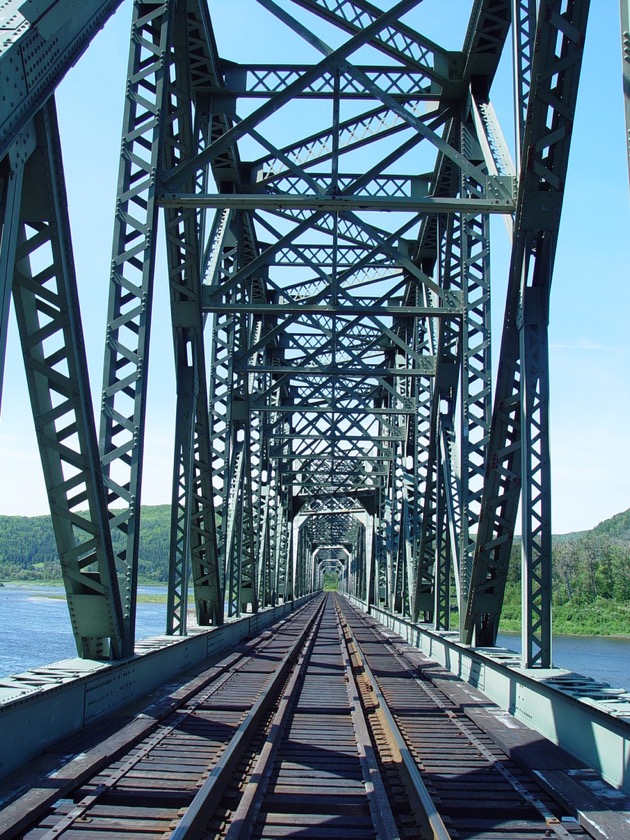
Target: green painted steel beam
x,y
263,80
337,203
393,309
49,322
41,41
514,458
625,56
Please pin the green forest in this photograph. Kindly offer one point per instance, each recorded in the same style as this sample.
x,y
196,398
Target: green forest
x,y
591,581
591,569
28,552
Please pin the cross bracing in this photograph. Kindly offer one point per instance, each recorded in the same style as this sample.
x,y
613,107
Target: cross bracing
x,y
328,260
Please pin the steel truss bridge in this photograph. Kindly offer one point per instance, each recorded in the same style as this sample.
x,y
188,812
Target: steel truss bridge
x,y
328,261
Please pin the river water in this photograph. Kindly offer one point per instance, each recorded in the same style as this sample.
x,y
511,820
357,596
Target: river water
x,y
35,625
35,630
605,658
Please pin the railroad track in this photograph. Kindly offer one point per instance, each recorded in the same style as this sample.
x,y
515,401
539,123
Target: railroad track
x,y
478,792
323,729
154,779
317,773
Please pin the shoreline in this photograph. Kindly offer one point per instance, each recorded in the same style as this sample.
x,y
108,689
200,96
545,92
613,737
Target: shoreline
x,y
143,597
160,598
574,635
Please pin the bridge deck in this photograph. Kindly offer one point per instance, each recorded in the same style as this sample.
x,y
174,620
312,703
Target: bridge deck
x,y
329,727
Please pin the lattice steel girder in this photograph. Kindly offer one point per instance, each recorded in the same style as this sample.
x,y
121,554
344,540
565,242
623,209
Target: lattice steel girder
x,y
476,400
280,310
536,501
443,340
40,42
551,107
345,227
292,408
282,166
181,499
231,243
396,39
443,556
262,80
427,369
49,322
131,288
175,178
523,31
193,537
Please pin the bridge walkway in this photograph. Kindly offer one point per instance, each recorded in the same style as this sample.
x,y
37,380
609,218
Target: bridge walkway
x,y
327,727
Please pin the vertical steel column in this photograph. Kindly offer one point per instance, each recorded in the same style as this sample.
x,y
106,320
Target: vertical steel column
x,y
184,285
125,373
11,178
536,274
476,364
264,557
625,57
443,560
236,461
536,499
436,395
399,423
49,322
425,466
220,407
251,508
517,456
193,538
533,376
181,503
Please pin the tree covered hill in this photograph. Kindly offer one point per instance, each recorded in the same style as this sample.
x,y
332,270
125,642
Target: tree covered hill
x,y
591,581
618,526
28,550
591,569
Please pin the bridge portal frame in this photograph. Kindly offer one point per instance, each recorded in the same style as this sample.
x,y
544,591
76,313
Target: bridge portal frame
x,y
239,466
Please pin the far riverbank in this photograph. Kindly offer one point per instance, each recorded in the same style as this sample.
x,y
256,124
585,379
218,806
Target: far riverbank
x,y
603,617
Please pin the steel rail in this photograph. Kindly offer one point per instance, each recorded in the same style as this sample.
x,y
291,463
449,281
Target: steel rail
x,y
242,821
98,777
145,738
421,801
207,798
552,822
82,808
549,823
380,808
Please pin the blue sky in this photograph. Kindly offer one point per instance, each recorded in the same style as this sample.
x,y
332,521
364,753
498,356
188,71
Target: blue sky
x,y
590,344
